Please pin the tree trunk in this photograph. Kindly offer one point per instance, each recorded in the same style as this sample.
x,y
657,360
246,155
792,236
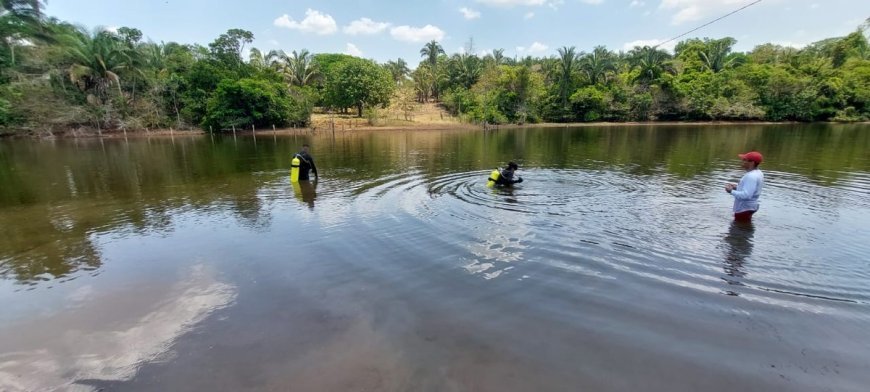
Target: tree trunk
x,y
359,108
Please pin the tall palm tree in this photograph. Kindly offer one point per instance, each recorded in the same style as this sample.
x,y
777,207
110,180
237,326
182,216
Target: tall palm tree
x,y
651,62
431,51
567,66
598,64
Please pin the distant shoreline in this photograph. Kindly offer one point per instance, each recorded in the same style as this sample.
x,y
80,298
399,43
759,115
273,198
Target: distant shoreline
x,y
111,134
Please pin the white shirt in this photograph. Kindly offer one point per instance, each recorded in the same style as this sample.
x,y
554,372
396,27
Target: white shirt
x,y
748,191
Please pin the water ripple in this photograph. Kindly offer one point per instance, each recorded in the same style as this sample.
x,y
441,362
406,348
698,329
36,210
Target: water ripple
x,y
614,225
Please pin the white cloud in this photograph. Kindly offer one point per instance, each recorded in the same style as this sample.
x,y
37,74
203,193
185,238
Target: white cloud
x,y
695,10
352,50
535,47
593,2
529,15
538,47
554,4
649,42
512,3
637,3
417,34
469,13
111,29
365,26
314,22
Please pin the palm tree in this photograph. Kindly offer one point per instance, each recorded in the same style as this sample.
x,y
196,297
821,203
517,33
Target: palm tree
x,y
717,55
431,51
303,68
298,68
423,78
651,62
97,58
20,20
256,59
464,69
598,64
398,69
567,66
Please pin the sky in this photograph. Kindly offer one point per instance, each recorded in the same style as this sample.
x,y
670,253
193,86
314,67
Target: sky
x,y
389,29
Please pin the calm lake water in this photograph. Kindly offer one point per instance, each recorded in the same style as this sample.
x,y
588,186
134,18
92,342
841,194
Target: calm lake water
x,y
193,264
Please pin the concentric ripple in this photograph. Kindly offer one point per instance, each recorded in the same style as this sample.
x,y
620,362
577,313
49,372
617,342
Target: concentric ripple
x,y
652,231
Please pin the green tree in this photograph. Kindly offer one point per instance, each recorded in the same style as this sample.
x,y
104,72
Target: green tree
x,y
228,47
355,82
261,103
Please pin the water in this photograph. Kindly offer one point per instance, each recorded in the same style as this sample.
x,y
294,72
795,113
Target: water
x,y
194,264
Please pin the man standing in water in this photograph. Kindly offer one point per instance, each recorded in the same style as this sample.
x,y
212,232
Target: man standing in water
x,y
747,192
306,163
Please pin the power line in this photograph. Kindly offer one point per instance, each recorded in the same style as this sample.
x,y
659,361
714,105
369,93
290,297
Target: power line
x,y
710,22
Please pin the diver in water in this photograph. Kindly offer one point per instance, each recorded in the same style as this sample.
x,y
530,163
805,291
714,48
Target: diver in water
x,y
306,163
505,177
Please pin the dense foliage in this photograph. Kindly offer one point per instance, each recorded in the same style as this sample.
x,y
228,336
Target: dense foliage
x,y
58,76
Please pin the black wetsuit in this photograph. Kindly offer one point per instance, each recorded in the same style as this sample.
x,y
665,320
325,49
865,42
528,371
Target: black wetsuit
x,y
507,178
306,163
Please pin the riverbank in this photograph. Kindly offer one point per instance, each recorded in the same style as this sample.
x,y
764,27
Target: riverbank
x,y
361,126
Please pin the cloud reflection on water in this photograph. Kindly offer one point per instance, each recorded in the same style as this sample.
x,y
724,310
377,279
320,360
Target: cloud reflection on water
x,y
105,338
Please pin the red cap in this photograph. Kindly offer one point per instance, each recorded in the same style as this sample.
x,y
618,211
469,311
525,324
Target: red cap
x,y
753,156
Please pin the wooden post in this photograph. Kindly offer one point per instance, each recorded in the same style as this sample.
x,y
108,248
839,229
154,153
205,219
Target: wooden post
x,y
254,130
171,132
234,131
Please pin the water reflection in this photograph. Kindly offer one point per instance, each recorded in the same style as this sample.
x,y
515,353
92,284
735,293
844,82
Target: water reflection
x,y
306,192
738,247
508,192
107,335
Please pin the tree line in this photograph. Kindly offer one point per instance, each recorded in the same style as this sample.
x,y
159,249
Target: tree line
x,y
55,75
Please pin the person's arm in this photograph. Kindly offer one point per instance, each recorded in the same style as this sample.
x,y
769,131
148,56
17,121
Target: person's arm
x,y
749,186
313,167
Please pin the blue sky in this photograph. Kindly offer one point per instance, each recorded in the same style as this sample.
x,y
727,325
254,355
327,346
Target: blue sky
x,y
388,29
